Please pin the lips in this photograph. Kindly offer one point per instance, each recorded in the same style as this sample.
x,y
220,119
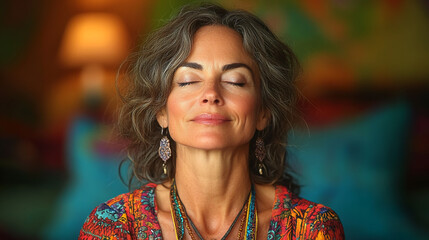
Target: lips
x,y
210,119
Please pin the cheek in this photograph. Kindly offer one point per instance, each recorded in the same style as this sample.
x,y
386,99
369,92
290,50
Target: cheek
x,y
247,107
176,110
173,110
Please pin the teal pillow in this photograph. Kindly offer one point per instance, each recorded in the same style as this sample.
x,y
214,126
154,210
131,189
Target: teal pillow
x,y
93,166
357,169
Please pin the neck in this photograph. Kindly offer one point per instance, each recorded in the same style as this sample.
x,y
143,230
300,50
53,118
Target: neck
x,y
213,185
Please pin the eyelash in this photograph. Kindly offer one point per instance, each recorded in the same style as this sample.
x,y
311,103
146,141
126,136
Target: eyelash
x,y
183,84
236,84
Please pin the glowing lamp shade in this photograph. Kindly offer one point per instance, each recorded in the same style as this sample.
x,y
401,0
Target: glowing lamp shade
x,y
94,38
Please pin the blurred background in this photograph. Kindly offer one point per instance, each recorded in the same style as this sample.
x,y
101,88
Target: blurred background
x,y
365,152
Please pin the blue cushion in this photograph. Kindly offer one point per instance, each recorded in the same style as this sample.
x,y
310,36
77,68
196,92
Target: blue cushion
x,y
94,178
356,168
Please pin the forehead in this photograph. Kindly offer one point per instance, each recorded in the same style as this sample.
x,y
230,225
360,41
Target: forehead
x,y
217,33
219,43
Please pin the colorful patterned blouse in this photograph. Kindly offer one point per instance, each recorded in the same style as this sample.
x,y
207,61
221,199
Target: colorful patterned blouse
x,y
133,216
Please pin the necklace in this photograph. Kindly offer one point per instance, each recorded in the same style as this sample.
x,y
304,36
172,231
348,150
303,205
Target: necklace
x,y
182,220
196,230
240,230
252,217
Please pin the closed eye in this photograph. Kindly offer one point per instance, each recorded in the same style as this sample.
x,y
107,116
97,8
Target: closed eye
x,y
236,84
183,84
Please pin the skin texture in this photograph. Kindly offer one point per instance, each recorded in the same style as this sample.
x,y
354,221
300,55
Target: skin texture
x,y
212,113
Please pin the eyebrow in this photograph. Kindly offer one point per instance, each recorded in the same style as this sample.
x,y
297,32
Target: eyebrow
x,y
224,68
191,65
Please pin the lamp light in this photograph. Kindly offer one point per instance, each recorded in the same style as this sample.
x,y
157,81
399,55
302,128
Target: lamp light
x,y
94,38
91,42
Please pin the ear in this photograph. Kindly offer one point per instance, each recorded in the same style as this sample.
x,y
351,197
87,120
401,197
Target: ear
x,y
263,119
162,118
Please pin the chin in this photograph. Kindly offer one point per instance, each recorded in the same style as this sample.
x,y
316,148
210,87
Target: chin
x,y
208,144
211,143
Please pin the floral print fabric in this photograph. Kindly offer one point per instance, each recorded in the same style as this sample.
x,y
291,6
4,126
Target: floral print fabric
x,y
134,216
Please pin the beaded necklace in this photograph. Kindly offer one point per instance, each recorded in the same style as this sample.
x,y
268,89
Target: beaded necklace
x,y
182,220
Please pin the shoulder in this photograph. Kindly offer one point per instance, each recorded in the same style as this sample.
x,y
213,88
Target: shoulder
x,y
306,219
116,217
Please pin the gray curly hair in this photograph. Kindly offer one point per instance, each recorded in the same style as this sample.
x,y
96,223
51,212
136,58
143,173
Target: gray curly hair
x,y
150,75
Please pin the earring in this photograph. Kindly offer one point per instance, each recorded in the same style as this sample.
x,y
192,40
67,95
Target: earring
x,y
164,150
260,154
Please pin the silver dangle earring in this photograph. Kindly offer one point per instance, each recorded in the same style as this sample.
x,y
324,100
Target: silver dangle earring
x,y
260,153
164,150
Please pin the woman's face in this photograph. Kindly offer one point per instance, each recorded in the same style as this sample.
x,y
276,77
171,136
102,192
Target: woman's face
x,y
215,99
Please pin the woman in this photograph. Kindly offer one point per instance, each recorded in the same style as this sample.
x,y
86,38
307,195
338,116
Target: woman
x,y
206,116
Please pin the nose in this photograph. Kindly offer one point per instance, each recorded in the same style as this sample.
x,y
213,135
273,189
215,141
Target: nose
x,y
212,94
